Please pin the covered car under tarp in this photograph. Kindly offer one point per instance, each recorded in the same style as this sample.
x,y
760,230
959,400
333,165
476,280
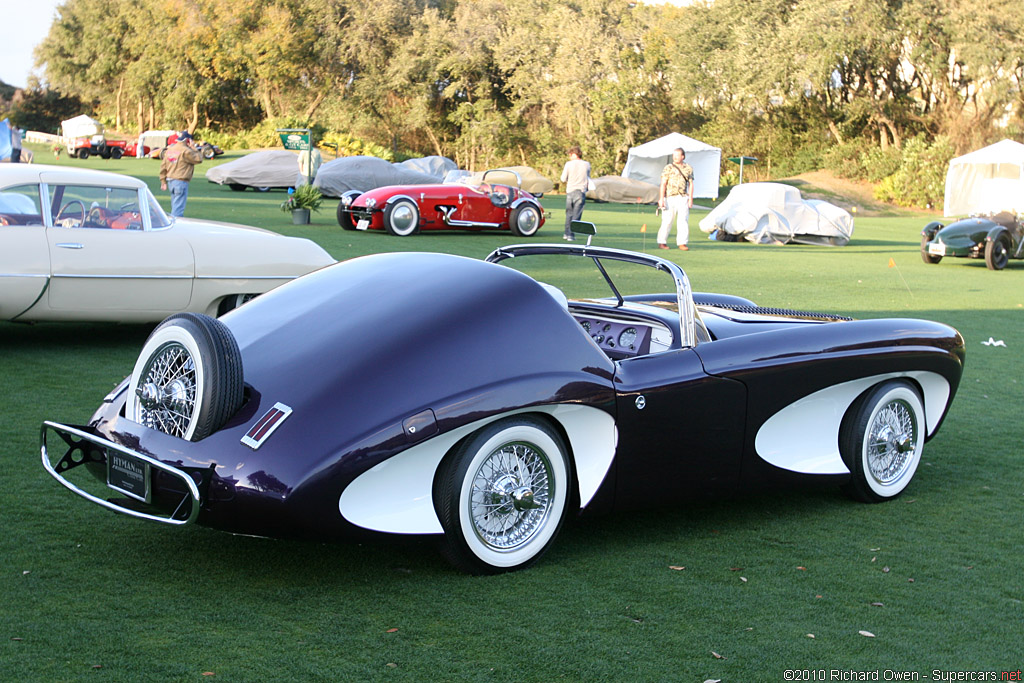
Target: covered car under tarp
x,y
363,174
613,188
269,168
436,166
533,182
646,162
774,213
986,181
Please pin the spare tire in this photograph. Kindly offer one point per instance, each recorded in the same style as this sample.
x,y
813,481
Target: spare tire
x,y
188,379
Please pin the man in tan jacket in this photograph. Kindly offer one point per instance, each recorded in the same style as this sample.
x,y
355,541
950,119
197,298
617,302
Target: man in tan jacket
x,y
176,169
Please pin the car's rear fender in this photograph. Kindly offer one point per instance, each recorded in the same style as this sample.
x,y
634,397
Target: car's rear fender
x,y
395,495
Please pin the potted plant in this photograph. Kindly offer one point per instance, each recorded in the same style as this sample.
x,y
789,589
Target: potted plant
x,y
301,202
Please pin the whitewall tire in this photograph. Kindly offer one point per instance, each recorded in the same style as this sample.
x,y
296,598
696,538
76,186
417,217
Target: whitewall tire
x,y
502,495
188,379
402,217
881,440
525,220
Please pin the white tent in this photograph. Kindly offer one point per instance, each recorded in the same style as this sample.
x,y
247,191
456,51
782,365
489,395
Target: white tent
x,y
81,127
988,180
646,161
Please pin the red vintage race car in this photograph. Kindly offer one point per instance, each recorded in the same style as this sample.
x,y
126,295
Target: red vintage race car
x,y
405,209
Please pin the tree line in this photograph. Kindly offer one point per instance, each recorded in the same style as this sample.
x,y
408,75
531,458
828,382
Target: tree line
x,y
490,82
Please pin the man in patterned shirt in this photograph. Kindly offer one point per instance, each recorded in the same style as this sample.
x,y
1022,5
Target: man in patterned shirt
x,y
675,200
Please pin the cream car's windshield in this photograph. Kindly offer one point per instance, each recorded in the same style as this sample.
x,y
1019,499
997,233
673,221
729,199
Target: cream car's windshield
x,y
157,216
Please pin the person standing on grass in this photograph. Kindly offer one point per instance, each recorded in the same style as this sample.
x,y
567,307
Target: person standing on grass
x,y
675,200
576,176
176,170
15,144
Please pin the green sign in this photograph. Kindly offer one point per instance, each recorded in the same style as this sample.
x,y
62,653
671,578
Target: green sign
x,y
295,141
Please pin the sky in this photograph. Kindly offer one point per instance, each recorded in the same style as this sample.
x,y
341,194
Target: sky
x,y
33,23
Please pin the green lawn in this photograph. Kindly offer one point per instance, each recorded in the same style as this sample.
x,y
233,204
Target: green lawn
x,y
936,575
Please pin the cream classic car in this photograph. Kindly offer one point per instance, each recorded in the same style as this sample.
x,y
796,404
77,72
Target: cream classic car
x,y
91,245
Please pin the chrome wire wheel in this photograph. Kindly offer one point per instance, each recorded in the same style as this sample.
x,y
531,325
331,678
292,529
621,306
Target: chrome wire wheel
x,y
511,496
188,379
891,442
501,495
881,439
168,395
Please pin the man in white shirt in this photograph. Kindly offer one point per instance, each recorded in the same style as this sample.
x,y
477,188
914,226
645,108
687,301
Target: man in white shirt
x,y
675,199
576,176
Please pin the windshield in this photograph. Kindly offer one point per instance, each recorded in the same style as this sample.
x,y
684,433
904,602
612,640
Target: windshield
x,y
581,278
623,279
157,216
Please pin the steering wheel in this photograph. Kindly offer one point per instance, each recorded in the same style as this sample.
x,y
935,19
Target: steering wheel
x,y
95,219
65,207
130,207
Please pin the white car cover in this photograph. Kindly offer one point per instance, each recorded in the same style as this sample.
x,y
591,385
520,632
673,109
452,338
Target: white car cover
x,y
363,174
269,168
772,213
434,165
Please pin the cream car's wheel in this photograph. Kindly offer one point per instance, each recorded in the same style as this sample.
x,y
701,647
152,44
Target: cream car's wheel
x,y
233,301
502,495
188,379
881,440
525,220
402,217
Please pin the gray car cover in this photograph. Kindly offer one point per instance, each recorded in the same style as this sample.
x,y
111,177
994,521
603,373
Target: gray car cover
x,y
435,166
337,177
269,168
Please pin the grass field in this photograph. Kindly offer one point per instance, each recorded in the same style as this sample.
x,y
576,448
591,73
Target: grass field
x,y
771,583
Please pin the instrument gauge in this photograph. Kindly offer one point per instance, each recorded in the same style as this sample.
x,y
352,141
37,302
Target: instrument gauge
x,y
628,337
585,324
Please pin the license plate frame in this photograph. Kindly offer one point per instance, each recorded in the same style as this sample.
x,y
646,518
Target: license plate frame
x,y
363,224
129,475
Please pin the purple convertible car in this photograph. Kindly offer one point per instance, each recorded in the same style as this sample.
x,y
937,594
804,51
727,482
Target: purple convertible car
x,y
415,393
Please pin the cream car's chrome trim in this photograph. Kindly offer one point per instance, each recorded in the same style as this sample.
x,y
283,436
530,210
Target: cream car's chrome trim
x,y
246,277
65,431
24,275
70,245
122,277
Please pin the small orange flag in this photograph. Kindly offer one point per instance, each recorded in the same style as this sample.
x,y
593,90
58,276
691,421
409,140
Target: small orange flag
x,y
892,264
643,228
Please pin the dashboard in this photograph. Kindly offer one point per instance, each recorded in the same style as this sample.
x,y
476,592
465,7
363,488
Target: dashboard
x,y
624,338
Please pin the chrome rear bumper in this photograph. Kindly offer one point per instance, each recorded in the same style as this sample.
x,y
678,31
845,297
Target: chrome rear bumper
x,y
84,447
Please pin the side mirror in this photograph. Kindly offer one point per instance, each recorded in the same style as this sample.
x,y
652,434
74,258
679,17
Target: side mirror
x,y
584,228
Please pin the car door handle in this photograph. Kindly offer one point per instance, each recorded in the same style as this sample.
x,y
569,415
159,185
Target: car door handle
x,y
70,245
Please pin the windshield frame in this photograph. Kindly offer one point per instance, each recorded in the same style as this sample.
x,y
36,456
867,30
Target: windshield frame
x,y
684,294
